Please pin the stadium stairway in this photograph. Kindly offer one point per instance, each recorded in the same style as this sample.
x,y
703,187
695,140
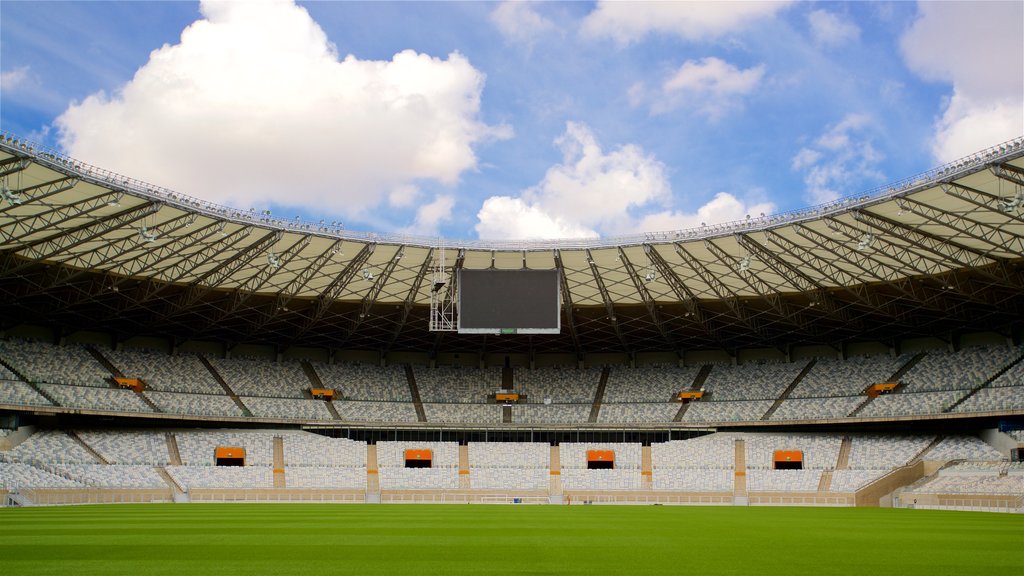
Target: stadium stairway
x,y
464,467
224,384
85,445
595,410
984,384
316,382
414,390
172,449
555,465
31,384
279,478
894,378
843,461
698,383
117,373
789,389
646,469
825,483
372,476
176,489
740,468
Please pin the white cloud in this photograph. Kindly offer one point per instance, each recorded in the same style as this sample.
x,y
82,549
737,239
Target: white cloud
x,y
403,195
829,29
254,107
13,79
840,160
627,22
429,217
724,207
506,218
710,86
985,67
519,22
589,191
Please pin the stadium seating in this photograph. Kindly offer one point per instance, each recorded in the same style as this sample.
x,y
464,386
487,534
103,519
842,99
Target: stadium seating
x,y
91,398
376,411
443,475
648,383
734,411
198,447
195,404
15,476
989,399
817,408
163,372
754,381
560,385
509,465
844,378
20,394
128,446
760,480
638,413
463,413
51,447
286,408
115,476
961,370
550,413
365,382
42,362
456,384
236,477
252,377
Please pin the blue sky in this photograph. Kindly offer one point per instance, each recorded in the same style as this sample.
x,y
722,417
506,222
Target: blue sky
x,y
514,120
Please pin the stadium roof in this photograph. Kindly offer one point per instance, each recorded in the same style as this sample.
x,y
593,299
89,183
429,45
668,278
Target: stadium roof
x,y
85,248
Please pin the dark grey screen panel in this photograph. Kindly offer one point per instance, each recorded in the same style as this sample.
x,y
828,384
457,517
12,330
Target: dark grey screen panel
x,y
519,301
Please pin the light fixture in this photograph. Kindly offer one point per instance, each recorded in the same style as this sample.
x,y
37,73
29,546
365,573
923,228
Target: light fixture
x,y
1015,203
865,242
147,235
10,195
367,275
273,261
650,276
744,264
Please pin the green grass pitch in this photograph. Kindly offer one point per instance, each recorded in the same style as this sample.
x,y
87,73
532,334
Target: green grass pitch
x,y
311,539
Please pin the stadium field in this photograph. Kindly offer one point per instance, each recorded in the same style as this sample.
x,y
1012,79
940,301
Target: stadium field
x,y
308,539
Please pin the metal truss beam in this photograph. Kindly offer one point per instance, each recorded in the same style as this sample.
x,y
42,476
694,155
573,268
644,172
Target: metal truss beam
x,y
296,285
126,249
14,165
46,189
567,304
870,266
947,250
326,298
180,267
682,292
209,281
761,288
798,278
45,248
645,295
410,299
992,234
255,283
371,297
721,290
608,305
20,228
989,202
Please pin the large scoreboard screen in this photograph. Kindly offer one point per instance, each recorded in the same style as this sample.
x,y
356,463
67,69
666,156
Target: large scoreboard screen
x,y
509,302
